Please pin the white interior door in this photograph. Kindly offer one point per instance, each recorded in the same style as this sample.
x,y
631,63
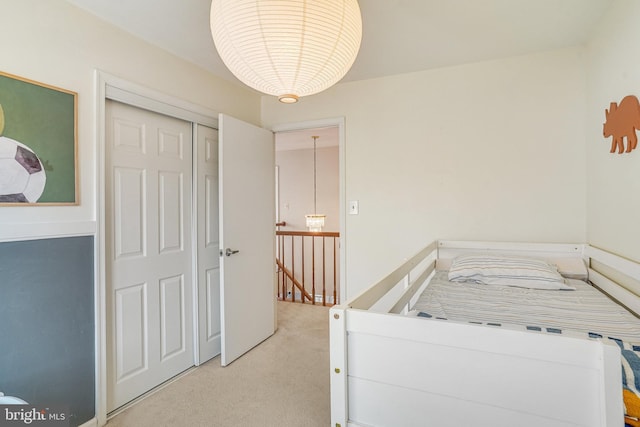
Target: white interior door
x,y
149,252
247,224
208,244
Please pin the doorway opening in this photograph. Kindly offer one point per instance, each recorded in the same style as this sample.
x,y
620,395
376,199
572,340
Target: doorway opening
x,y
308,183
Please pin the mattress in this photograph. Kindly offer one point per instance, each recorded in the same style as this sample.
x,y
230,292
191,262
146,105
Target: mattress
x,y
584,310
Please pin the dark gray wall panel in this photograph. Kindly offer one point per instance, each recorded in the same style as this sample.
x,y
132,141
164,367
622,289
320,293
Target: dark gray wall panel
x,y
47,331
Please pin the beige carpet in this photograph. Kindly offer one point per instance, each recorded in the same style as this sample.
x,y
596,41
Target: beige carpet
x,y
282,382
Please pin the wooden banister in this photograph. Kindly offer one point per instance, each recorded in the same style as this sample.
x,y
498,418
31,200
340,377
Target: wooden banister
x,y
294,262
308,233
294,280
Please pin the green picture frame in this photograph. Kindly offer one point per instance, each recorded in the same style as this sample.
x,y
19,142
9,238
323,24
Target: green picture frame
x,y
38,130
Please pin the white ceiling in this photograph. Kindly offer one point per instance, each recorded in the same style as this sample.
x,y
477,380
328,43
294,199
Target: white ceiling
x,y
303,139
399,36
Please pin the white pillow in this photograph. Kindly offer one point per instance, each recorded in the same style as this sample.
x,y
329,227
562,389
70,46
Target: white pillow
x,y
507,270
571,268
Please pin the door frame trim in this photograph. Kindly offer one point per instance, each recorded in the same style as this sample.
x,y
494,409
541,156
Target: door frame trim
x,y
338,122
108,86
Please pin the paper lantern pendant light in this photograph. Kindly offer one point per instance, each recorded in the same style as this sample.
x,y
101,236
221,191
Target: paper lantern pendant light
x,y
287,48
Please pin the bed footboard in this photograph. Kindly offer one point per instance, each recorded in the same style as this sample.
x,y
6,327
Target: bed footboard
x,y
390,370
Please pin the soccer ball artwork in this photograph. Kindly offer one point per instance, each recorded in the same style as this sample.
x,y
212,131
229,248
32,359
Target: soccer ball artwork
x,y
22,175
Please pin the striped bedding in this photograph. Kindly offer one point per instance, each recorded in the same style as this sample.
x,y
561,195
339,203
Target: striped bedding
x,y
584,310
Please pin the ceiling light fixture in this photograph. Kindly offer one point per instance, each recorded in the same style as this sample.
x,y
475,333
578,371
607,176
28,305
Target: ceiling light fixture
x,y
314,221
287,48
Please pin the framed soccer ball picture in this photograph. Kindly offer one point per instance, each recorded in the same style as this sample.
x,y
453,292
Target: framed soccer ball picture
x,y
38,143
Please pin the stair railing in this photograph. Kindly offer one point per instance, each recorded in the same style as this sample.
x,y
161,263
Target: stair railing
x,y
307,266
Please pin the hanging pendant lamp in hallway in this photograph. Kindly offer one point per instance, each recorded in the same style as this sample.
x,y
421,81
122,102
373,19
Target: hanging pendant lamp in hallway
x,y
287,48
315,221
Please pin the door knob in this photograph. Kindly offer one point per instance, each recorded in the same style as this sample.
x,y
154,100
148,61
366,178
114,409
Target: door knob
x,y
229,251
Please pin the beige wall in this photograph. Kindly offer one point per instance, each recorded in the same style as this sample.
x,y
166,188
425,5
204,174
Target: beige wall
x,y
58,44
491,150
614,179
296,187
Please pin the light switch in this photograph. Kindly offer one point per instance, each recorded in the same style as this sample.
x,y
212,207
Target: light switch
x,y
353,207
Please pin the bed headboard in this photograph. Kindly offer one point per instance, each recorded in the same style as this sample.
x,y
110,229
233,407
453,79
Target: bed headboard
x,y
568,257
448,249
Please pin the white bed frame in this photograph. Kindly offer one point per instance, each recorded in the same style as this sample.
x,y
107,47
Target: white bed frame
x,y
388,369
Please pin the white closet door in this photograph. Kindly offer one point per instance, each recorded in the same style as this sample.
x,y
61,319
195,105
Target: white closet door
x,y
247,219
208,237
149,252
